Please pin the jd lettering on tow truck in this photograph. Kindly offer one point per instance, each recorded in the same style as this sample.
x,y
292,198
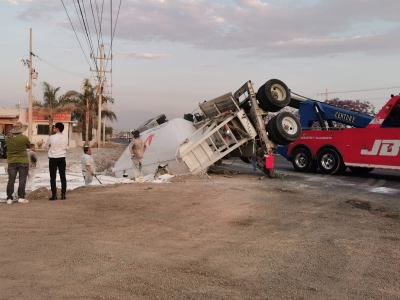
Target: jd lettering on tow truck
x,y
384,148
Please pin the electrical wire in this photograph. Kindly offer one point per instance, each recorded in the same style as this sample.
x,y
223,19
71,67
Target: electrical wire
x,y
67,72
87,30
83,26
367,90
100,20
75,33
95,26
112,37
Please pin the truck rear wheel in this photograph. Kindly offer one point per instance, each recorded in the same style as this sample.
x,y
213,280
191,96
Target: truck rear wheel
x,y
361,170
330,162
273,95
284,128
302,161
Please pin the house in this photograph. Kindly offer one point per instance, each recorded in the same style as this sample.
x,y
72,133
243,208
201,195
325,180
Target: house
x,y
40,125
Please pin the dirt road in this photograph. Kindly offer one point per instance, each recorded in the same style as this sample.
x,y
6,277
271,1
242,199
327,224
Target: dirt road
x,y
218,238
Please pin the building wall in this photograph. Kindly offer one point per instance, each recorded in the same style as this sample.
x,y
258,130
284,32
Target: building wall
x,y
40,139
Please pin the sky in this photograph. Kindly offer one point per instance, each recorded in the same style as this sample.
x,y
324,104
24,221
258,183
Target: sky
x,y
168,56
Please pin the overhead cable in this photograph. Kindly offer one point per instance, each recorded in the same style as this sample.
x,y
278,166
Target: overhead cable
x,y
75,34
70,73
367,90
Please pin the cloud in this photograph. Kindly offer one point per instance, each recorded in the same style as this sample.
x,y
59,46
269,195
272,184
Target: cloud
x,y
68,50
208,65
279,28
145,55
13,2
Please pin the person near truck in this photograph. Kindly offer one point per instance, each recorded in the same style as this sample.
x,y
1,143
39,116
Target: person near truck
x,y
57,145
88,165
18,161
32,166
137,147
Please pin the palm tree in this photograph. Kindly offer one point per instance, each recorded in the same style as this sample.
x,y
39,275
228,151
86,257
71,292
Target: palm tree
x,y
51,105
86,107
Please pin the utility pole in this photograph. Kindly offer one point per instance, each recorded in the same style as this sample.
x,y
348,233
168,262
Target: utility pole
x,y
30,88
104,119
104,126
100,90
326,94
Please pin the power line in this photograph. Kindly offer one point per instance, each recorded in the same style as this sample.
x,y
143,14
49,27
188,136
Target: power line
x,y
75,33
100,20
95,27
367,90
112,36
70,73
87,31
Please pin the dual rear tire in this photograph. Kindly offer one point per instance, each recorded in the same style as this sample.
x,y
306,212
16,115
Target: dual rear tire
x,y
330,162
303,162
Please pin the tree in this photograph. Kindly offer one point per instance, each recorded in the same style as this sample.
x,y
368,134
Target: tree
x,y
51,105
364,107
86,108
292,110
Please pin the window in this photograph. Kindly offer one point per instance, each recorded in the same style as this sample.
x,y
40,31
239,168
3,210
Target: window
x,y
43,129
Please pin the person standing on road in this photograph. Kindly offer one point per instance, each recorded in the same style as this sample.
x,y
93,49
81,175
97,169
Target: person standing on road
x,y
137,147
32,166
88,165
18,162
57,145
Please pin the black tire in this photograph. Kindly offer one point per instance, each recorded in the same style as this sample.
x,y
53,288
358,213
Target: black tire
x,y
330,162
273,95
247,160
361,170
274,136
302,161
284,128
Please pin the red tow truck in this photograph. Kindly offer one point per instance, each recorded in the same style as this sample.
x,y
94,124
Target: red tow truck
x,y
345,139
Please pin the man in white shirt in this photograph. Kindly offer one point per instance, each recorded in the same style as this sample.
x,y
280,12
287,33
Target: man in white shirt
x,y
88,165
57,145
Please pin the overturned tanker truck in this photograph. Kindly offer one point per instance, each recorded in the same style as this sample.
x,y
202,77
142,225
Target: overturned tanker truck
x,y
230,124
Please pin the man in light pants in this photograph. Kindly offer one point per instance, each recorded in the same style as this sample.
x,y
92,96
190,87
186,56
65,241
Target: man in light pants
x,y
137,147
88,165
32,166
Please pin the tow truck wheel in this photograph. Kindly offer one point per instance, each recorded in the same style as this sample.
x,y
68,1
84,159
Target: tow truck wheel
x,y
330,162
361,170
302,161
284,128
273,95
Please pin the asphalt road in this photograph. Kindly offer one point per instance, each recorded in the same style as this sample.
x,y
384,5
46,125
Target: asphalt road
x,y
378,181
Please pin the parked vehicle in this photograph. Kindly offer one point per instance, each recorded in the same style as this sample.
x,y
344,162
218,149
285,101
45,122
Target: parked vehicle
x,y
345,139
3,148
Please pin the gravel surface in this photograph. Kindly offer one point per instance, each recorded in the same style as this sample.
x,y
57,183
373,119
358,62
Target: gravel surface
x,y
229,237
